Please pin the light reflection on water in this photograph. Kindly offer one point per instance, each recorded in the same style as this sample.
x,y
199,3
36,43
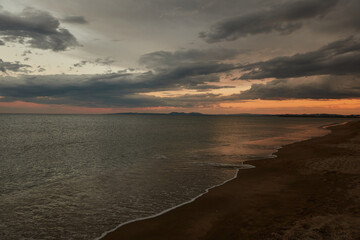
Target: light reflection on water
x,y
76,176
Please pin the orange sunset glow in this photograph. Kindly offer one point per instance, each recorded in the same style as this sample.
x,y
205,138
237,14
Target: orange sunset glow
x,y
346,107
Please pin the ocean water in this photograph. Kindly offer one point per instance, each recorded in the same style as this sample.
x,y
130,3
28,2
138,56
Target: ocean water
x,y
78,176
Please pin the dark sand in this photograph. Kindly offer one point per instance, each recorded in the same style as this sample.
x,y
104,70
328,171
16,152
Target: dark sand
x,y
310,191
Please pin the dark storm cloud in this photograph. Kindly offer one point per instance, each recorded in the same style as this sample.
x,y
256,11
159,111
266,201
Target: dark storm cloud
x,y
284,19
193,73
36,28
110,90
180,69
322,88
63,85
207,87
190,70
75,20
12,67
118,90
337,58
162,59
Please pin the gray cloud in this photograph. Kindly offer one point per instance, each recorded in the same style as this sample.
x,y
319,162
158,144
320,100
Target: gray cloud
x,y
12,66
284,19
26,52
104,61
81,63
165,59
127,89
98,61
208,87
75,20
36,28
109,90
318,88
120,90
188,68
185,70
40,69
337,58
193,74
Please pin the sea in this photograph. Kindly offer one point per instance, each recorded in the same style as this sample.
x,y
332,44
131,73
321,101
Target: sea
x,y
79,176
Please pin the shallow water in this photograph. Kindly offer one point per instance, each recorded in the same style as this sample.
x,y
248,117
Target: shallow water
x,y
77,176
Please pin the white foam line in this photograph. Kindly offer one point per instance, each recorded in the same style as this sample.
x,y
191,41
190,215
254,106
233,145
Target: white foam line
x,y
168,210
334,124
273,155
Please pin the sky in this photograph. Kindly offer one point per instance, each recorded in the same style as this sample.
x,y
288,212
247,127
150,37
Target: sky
x,y
208,56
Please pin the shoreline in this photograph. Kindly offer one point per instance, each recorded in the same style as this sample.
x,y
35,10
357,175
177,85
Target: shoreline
x,y
169,209
270,156
158,231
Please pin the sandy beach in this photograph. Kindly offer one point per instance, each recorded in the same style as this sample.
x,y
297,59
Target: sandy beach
x,y
310,191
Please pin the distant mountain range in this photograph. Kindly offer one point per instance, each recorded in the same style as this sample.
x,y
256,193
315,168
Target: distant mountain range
x,y
320,115
172,113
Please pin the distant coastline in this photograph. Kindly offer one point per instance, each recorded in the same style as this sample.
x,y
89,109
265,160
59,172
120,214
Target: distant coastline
x,y
317,115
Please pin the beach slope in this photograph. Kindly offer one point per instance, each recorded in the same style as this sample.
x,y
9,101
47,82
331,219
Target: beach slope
x,y
310,191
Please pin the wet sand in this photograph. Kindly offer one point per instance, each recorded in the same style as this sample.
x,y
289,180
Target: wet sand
x,y
310,191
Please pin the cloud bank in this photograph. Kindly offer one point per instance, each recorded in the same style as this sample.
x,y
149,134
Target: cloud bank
x,y
328,87
337,58
193,70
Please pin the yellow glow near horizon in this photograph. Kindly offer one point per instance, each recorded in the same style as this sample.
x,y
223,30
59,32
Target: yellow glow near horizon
x,y
340,106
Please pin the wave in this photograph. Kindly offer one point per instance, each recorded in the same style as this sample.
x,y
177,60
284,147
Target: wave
x,y
169,209
333,125
232,166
